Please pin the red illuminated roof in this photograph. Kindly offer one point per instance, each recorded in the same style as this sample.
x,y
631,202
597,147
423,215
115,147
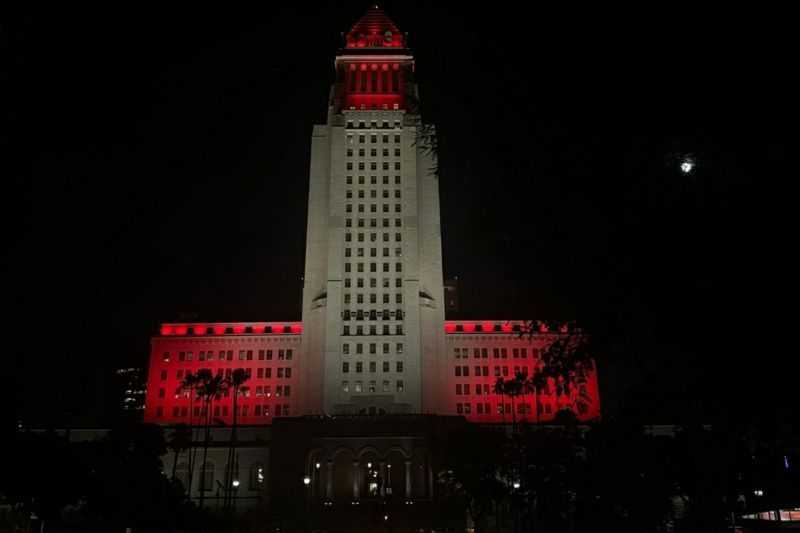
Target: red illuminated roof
x,y
231,328
506,326
375,30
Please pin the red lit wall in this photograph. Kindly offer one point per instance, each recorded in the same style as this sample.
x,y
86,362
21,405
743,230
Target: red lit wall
x,y
480,352
269,351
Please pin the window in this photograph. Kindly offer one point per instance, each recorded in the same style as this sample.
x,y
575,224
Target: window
x,y
358,386
373,367
345,386
359,367
399,367
400,386
345,367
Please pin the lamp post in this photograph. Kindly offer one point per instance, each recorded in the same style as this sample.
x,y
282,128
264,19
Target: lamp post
x,y
307,485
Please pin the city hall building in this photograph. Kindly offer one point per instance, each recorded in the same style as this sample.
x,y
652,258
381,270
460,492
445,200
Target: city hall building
x,y
363,386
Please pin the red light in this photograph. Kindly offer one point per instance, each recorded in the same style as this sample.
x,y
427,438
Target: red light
x,y
238,329
543,327
488,327
507,328
166,330
199,330
297,329
219,330
449,327
258,329
181,330
469,328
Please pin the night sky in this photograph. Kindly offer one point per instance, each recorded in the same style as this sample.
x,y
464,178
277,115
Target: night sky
x,y
159,166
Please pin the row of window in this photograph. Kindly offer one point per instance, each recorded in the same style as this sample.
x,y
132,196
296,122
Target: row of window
x,y
372,348
373,208
373,367
373,237
373,165
373,298
373,329
486,409
359,331
373,194
373,283
243,410
227,355
373,222
373,180
373,124
463,371
373,267
373,252
497,353
372,386
373,152
372,314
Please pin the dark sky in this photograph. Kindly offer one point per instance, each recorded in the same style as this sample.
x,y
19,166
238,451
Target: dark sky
x,y
160,164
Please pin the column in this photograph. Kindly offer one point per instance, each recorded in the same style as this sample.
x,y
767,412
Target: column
x,y
408,480
355,480
329,481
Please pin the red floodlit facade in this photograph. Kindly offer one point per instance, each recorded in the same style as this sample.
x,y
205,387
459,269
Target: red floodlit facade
x,y
400,355
267,351
478,353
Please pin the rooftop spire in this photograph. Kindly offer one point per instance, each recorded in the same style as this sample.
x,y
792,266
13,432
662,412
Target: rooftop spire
x,y
375,30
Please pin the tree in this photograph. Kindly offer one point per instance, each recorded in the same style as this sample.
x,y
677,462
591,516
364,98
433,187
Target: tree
x,y
209,388
471,471
236,385
189,385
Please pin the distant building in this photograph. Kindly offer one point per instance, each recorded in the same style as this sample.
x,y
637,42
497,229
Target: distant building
x,y
132,387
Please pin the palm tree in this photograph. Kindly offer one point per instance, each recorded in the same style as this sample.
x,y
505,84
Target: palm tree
x,y
513,390
525,384
179,441
538,382
235,384
500,388
189,383
209,389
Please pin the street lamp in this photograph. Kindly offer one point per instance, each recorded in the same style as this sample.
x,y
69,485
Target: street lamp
x,y
307,484
235,483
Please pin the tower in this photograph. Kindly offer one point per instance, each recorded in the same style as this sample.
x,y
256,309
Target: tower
x,y
373,310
